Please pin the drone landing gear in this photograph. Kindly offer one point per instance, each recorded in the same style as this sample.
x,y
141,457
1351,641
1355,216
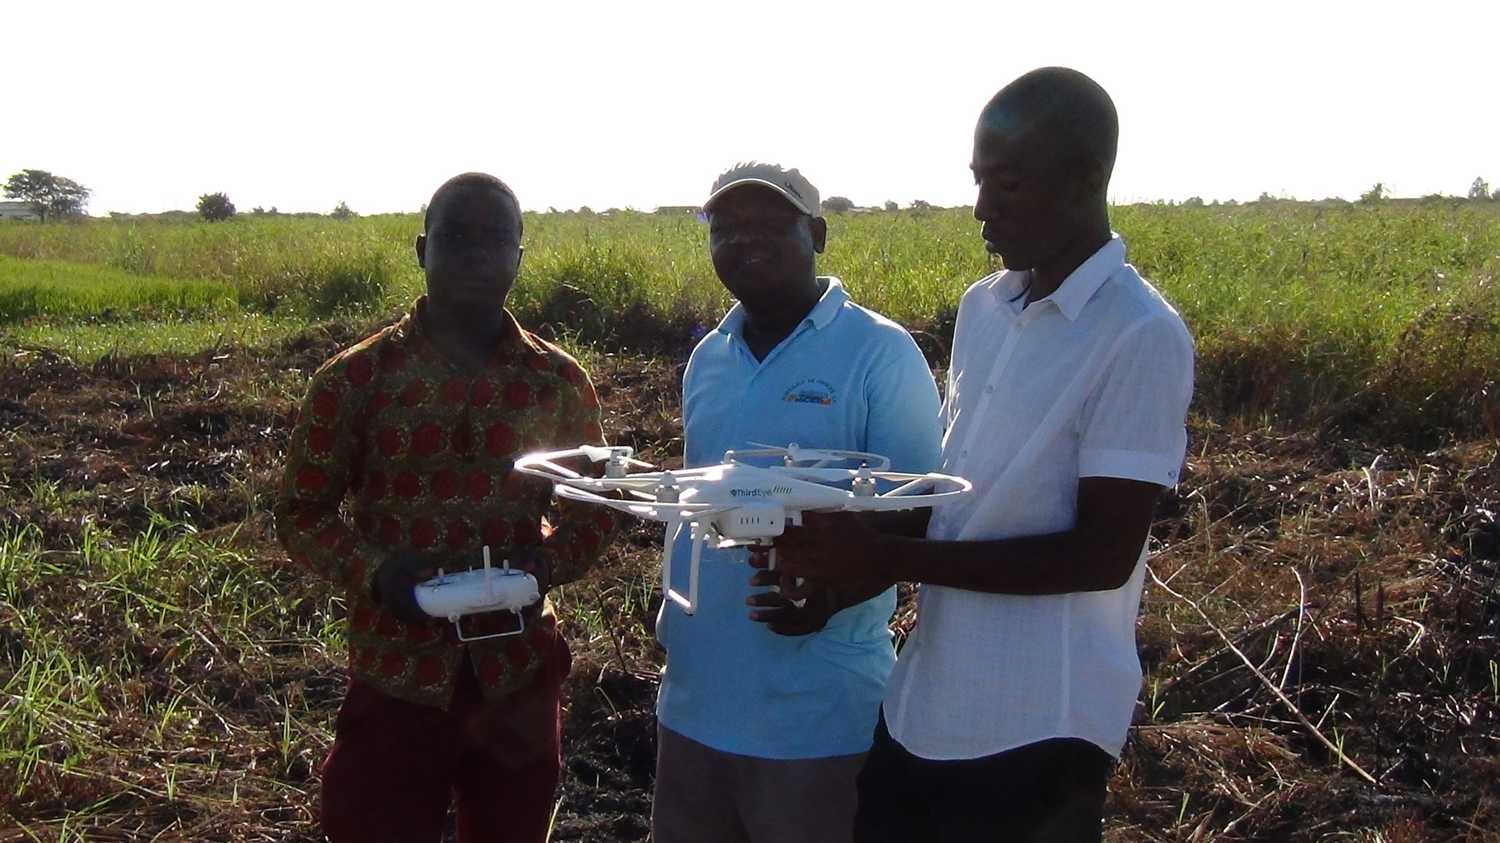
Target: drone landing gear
x,y
689,603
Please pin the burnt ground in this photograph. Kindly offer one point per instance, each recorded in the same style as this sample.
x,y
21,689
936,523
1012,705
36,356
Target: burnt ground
x,y
1358,576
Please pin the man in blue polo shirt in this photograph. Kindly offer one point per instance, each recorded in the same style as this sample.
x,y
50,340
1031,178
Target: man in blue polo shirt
x,y
767,707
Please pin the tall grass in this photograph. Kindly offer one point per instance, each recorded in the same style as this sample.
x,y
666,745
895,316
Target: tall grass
x,y
303,265
1293,306
77,291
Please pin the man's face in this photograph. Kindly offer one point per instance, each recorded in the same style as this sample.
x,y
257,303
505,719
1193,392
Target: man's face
x,y
471,250
761,245
1029,206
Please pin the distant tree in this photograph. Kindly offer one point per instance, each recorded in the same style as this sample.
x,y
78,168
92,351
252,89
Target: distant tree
x,y
920,205
1193,202
258,211
215,207
585,210
1480,189
341,211
838,205
1265,196
551,210
1374,194
273,212
50,196
891,206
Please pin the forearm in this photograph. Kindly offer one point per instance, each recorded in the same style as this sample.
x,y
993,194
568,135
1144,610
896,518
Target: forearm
x,y
316,536
852,594
1053,563
583,533
911,523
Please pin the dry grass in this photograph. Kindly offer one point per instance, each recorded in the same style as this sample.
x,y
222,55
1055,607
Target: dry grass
x,y
163,677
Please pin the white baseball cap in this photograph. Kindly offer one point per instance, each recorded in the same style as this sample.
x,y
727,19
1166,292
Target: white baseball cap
x,y
789,183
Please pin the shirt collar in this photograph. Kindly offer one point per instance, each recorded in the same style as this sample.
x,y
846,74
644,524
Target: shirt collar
x,y
829,304
1076,290
513,340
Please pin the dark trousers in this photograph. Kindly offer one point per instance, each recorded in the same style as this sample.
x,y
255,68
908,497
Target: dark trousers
x,y
1051,791
396,766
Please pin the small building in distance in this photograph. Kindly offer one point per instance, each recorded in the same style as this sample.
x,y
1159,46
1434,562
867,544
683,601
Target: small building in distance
x,y
17,211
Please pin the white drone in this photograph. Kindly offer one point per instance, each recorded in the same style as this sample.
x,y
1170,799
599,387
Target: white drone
x,y
735,504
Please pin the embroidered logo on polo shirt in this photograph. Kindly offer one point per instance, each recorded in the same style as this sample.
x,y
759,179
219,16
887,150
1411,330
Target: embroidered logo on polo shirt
x,y
811,391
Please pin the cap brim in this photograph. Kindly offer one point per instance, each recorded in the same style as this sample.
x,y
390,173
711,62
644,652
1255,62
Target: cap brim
x,y
785,194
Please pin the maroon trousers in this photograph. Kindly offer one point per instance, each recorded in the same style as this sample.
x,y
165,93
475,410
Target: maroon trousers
x,y
396,766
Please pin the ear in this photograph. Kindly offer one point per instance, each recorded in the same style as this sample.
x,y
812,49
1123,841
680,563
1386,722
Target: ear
x,y
422,250
819,228
1091,183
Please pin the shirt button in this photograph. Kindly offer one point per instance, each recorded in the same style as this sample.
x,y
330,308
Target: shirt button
x,y
989,388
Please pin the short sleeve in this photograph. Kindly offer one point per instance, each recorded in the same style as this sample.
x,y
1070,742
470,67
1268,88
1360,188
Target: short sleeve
x,y
1134,424
903,410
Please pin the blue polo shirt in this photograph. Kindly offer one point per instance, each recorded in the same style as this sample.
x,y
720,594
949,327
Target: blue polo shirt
x,y
846,377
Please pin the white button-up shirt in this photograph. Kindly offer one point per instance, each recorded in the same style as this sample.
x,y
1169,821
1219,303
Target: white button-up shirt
x,y
1091,381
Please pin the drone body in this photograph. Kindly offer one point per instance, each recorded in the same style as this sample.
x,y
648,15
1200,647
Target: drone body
x,y
734,503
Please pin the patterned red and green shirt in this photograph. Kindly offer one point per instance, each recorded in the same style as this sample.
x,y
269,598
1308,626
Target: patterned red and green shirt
x,y
399,450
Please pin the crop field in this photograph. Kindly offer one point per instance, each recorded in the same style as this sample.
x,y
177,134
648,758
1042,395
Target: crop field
x,y
1320,631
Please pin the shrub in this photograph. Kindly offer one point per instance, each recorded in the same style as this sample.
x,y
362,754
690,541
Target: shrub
x,y
215,207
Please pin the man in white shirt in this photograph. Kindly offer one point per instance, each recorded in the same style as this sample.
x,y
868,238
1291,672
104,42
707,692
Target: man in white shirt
x,y
1066,405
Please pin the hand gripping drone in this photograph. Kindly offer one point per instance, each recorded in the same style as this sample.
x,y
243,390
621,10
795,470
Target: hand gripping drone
x,y
735,504
476,591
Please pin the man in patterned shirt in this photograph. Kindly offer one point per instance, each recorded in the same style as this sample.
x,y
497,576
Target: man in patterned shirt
x,y
400,463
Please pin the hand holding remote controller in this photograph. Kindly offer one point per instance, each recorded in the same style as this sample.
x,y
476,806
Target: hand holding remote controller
x,y
477,591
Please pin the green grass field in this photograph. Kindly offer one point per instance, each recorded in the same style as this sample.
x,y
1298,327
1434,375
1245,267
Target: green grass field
x,y
1294,307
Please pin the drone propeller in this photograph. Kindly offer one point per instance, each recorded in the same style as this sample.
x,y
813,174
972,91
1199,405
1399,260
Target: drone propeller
x,y
816,474
654,509
629,483
820,457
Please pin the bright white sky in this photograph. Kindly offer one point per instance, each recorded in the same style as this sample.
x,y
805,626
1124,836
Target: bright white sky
x,y
303,104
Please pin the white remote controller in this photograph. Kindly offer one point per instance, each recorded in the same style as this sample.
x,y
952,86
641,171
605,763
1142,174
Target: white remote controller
x,y
473,592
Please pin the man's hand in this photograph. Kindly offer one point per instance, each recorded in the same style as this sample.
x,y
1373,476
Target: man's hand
x,y
839,548
395,587
778,609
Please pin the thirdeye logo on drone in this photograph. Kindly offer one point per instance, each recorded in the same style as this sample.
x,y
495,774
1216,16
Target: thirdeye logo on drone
x,y
764,492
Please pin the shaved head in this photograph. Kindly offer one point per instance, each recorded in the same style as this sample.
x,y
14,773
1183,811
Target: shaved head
x,y
506,203
1044,149
1062,117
